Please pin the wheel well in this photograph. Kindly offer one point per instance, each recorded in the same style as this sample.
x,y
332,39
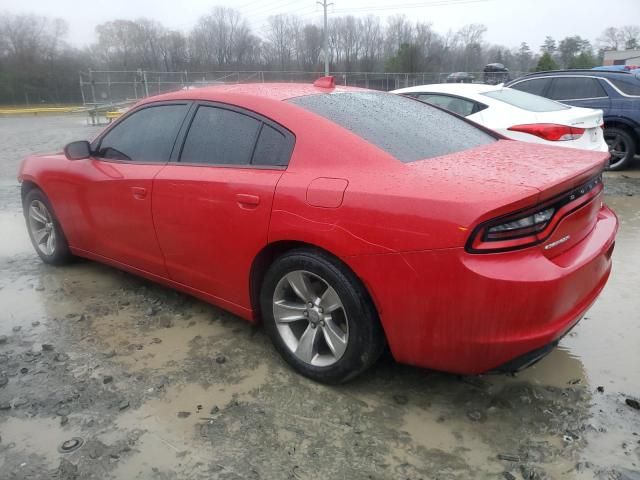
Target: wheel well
x,y
266,257
623,126
26,187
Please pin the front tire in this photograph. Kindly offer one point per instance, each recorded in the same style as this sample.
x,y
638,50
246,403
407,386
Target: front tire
x,y
319,316
622,148
44,229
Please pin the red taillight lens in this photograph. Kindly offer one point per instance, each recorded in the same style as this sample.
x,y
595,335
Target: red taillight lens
x,y
550,131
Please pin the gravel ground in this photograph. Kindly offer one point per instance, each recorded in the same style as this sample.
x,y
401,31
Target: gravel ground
x,y
158,385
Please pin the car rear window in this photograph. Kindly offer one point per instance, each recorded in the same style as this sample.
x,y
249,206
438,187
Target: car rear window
x,y
409,130
525,100
630,86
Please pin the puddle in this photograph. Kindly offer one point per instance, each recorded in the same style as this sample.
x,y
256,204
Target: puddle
x,y
38,436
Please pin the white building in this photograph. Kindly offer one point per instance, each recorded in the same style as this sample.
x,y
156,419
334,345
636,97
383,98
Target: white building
x,y
622,57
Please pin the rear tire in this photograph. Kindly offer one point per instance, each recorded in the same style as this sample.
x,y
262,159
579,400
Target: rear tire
x,y
319,316
44,229
622,147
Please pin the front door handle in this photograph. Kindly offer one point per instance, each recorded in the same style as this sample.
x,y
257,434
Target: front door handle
x,y
139,193
247,201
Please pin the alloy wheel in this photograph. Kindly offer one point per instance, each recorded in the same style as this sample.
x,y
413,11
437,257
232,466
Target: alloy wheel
x,y
617,148
42,228
310,318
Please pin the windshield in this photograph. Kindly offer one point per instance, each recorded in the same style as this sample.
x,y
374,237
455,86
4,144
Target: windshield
x,y
526,101
405,128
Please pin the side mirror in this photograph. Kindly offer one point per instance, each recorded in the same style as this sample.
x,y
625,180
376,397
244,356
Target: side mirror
x,y
77,150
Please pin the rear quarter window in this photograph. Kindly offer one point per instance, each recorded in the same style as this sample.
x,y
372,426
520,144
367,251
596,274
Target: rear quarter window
x,y
629,86
405,128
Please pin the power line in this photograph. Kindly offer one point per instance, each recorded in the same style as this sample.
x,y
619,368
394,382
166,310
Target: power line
x,y
271,6
436,3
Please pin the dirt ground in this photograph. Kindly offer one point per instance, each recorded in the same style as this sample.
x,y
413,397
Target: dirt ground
x,y
158,385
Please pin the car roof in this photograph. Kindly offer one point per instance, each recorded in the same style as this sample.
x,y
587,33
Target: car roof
x,y
463,89
272,91
585,72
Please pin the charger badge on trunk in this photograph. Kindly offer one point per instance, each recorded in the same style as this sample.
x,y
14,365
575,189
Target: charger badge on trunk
x,y
549,246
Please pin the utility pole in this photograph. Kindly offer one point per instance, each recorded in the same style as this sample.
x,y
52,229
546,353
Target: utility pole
x,y
325,4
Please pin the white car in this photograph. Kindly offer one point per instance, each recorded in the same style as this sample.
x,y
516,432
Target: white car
x,y
517,115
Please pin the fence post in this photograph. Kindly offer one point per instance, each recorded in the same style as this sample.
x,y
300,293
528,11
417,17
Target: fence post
x,y
82,89
144,80
109,87
93,88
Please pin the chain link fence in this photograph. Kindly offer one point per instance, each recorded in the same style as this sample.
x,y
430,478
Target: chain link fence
x,y
113,87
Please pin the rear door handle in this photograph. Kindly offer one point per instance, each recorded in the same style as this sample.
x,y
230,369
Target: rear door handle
x,y
139,193
245,200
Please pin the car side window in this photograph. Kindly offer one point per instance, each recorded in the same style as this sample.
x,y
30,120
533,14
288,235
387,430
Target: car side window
x,y
457,105
270,148
575,88
535,86
629,86
147,135
218,136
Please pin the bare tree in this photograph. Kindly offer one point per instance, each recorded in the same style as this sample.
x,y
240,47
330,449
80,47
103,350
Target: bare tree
x,y
280,49
610,39
220,38
630,36
399,31
372,39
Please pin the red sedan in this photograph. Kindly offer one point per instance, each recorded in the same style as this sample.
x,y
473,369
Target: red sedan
x,y
343,219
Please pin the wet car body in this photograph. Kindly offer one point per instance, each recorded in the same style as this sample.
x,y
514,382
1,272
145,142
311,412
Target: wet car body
x,y
414,232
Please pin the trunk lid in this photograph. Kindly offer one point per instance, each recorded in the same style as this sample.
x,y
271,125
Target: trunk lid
x,y
550,170
536,175
573,117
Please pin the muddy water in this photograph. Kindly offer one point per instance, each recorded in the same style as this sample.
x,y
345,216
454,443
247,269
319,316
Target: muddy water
x,y
130,367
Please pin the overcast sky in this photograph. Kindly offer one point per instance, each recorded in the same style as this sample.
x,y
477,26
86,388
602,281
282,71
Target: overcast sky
x,y
509,22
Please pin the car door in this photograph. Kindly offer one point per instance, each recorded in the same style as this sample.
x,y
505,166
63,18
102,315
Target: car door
x,y
211,207
113,187
579,91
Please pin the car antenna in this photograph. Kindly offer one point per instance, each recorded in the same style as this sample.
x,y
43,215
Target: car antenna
x,y
325,82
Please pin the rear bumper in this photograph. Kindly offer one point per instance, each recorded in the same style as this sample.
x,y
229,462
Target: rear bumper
x,y
528,359
458,312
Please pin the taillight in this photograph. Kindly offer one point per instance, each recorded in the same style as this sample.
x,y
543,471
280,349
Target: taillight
x,y
550,131
519,227
531,226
